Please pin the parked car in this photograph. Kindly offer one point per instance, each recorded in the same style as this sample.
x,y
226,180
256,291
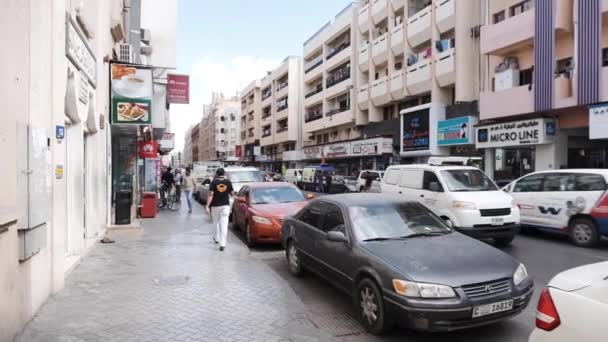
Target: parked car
x,y
462,195
343,184
239,176
574,306
573,202
260,208
293,176
383,251
308,176
376,177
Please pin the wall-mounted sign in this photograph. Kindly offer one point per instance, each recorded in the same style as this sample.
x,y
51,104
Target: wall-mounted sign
x,y
60,133
167,143
257,150
77,50
131,94
59,171
457,131
416,133
178,89
528,132
148,149
372,147
336,150
598,122
313,152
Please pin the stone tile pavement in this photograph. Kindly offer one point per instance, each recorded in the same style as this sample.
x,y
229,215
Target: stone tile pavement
x,y
169,282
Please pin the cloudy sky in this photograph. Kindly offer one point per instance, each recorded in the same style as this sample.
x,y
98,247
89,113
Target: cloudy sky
x,y
224,45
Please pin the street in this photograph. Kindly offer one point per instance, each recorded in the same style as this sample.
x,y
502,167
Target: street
x,y
168,282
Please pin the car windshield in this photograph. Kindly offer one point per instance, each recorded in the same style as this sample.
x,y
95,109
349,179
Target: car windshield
x,y
386,221
281,194
468,180
244,176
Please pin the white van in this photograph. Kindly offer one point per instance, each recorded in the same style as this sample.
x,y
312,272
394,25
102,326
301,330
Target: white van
x,y
462,195
574,202
293,176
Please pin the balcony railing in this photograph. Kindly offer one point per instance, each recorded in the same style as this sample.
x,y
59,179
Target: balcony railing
x,y
266,95
337,49
313,116
336,111
267,133
315,92
310,66
339,76
282,129
282,86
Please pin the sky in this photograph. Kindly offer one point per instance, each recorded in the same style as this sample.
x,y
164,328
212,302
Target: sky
x,y
225,45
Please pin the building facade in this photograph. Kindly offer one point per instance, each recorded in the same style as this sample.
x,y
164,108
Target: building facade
x,y
219,130
251,114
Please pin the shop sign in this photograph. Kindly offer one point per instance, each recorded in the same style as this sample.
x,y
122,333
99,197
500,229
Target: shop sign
x,y
178,89
336,150
257,150
148,149
167,143
528,132
131,95
313,152
457,131
598,122
261,158
372,147
415,131
77,50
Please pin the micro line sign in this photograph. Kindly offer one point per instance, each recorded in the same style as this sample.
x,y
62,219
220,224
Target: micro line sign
x,y
519,133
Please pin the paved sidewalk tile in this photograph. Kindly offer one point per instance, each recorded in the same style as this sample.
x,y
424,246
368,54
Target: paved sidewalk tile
x,y
169,282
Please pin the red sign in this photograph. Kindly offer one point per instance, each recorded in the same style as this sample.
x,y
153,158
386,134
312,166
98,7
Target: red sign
x,y
238,151
148,149
178,89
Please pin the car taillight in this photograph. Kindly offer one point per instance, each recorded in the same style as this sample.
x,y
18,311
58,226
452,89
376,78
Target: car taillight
x,y
547,317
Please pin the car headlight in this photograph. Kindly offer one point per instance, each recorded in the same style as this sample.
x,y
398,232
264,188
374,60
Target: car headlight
x,y
422,290
520,274
260,220
464,205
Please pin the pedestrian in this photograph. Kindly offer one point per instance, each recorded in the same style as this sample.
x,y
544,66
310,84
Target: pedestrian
x,y
368,181
328,180
189,187
218,206
178,180
318,181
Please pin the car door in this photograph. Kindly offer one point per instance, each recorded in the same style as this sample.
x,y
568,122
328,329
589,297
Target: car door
x,y
410,184
308,233
558,201
431,195
335,256
526,193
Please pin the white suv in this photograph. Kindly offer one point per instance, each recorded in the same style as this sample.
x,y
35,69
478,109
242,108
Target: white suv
x,y
462,195
376,177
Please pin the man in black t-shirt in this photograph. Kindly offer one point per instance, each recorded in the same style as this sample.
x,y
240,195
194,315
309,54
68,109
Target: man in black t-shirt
x,y
218,206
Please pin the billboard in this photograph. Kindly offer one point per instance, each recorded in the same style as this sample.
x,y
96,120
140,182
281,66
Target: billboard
x,y
131,94
178,89
457,131
416,134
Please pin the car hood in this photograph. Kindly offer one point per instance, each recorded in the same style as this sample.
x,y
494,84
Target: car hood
x,y
485,199
278,210
452,259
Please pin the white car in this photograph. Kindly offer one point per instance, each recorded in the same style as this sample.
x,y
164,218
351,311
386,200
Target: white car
x,y
376,180
462,195
573,202
293,176
574,306
239,176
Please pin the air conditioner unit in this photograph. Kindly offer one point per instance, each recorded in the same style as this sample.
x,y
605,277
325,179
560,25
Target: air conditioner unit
x,y
125,53
145,36
146,50
117,33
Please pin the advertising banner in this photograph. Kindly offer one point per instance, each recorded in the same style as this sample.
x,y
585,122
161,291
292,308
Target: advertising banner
x,y
131,94
598,122
519,133
148,149
178,89
416,134
457,131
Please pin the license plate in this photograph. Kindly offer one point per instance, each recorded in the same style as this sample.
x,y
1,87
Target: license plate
x,y
489,309
497,221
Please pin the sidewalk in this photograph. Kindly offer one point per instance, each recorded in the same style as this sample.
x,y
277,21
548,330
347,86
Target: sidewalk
x,y
169,282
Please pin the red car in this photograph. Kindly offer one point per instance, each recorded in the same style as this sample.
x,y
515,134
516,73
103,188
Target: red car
x,y
259,209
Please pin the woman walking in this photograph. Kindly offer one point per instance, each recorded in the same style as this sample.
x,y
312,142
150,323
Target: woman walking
x,y
189,187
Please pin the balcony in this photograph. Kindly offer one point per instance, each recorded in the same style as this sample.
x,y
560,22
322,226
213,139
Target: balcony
x,y
419,27
513,101
312,116
418,79
311,65
397,4
336,117
364,58
398,39
336,111
336,50
508,35
444,15
380,93
315,96
445,70
397,85
282,89
339,56
364,18
379,10
564,92
380,49
363,97
282,135
337,77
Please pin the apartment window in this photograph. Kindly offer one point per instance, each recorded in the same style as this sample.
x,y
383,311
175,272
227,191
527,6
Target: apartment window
x,y
222,118
398,66
319,139
564,66
376,76
498,17
408,104
426,99
325,138
520,8
232,117
388,113
525,77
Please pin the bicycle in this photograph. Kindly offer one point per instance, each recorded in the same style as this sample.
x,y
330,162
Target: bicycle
x,y
171,201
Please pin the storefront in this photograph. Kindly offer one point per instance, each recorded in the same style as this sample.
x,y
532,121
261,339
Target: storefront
x,y
514,149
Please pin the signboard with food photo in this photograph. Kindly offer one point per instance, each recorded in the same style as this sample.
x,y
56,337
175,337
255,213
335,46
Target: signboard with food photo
x,y
131,94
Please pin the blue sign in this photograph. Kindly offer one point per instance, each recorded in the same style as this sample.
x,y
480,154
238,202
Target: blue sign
x,y
550,127
457,131
59,132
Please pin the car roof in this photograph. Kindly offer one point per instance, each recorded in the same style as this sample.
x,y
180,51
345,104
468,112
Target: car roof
x,y
359,199
260,185
597,171
432,167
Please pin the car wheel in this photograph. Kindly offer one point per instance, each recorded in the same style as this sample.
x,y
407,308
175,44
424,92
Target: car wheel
x,y
370,306
293,260
504,241
250,240
583,232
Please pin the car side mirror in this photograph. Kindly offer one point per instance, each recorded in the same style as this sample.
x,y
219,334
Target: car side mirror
x,y
309,196
435,187
448,221
336,236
